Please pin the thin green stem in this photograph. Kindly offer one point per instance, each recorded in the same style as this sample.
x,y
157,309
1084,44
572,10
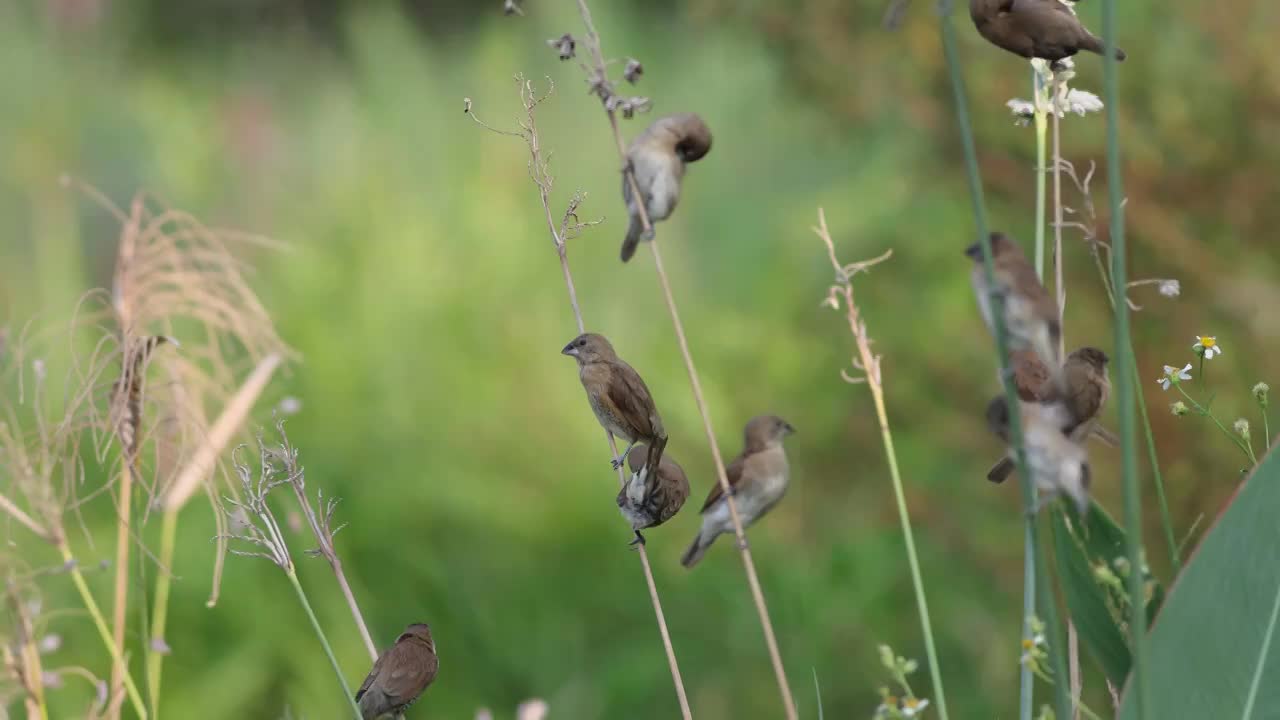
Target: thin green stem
x,y
917,579
1042,126
77,578
1080,705
1205,412
324,641
1175,551
1032,550
1139,684
164,580
1266,427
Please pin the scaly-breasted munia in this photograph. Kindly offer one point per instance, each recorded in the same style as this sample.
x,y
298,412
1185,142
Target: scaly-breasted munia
x,y
400,675
1045,29
1030,314
657,157
619,398
651,498
758,479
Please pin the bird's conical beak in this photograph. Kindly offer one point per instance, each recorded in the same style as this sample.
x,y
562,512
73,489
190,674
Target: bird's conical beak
x,y
569,350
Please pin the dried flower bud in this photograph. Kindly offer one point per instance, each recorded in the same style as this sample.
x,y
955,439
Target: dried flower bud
x,y
1241,427
1170,288
510,7
632,72
466,105
1260,394
1179,408
564,45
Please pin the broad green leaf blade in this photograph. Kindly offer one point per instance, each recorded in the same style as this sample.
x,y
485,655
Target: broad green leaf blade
x,y
1088,604
1211,647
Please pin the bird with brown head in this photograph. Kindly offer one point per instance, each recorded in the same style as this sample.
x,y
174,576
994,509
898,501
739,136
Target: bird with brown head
x,y
758,478
650,498
400,675
618,396
657,157
1030,314
1046,29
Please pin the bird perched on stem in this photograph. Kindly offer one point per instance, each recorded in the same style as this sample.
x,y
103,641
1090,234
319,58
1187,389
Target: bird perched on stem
x,y
400,674
758,479
1030,314
1056,460
657,158
1081,392
651,498
619,398
1046,29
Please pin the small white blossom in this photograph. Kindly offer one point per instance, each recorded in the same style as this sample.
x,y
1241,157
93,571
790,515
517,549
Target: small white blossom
x,y
1170,288
1023,110
1172,376
913,706
1079,102
1207,346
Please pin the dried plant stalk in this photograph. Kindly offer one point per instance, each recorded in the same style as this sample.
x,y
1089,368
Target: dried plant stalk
x,y
599,79
569,227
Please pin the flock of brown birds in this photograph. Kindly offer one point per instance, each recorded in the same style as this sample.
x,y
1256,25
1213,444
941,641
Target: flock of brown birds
x,y
1059,399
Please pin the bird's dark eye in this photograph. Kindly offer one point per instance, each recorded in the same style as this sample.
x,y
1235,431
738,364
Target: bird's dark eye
x,y
582,343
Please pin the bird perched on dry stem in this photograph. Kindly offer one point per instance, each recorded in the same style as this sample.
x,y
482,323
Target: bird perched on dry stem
x,y
1046,29
758,479
1083,390
618,396
1056,460
400,674
650,499
657,157
1030,314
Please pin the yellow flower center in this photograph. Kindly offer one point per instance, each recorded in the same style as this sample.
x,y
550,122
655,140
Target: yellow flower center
x,y
1028,643
910,703
1208,342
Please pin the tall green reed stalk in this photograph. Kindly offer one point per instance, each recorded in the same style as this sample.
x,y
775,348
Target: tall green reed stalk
x,y
1034,553
869,364
1126,381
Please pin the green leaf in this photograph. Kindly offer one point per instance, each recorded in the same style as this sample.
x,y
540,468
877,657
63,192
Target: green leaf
x,y
1087,601
1211,651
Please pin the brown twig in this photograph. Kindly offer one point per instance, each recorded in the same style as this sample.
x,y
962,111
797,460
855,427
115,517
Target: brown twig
x,y
568,227
592,43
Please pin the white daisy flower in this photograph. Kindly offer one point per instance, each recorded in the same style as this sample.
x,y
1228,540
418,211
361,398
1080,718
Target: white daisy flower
x,y
1207,346
913,706
1173,376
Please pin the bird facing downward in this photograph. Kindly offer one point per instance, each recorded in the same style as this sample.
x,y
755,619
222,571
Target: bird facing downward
x,y
618,396
400,675
1045,29
649,499
1081,392
1030,314
657,157
758,479
1056,461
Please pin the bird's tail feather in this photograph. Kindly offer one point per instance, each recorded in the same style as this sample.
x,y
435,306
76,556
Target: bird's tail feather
x,y
1000,471
655,454
1097,46
696,550
633,238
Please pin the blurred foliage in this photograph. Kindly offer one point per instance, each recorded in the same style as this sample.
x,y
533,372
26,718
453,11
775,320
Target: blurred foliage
x,y
422,291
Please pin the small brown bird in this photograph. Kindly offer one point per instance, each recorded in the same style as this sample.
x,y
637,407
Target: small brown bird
x,y
1056,460
619,398
758,479
400,674
1030,314
1082,391
657,157
650,499
1046,29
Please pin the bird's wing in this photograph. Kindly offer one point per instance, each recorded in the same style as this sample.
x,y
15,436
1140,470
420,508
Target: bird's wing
x,y
415,668
1038,6
734,474
373,675
630,397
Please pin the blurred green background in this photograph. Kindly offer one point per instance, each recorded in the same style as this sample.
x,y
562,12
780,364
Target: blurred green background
x,y
422,292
